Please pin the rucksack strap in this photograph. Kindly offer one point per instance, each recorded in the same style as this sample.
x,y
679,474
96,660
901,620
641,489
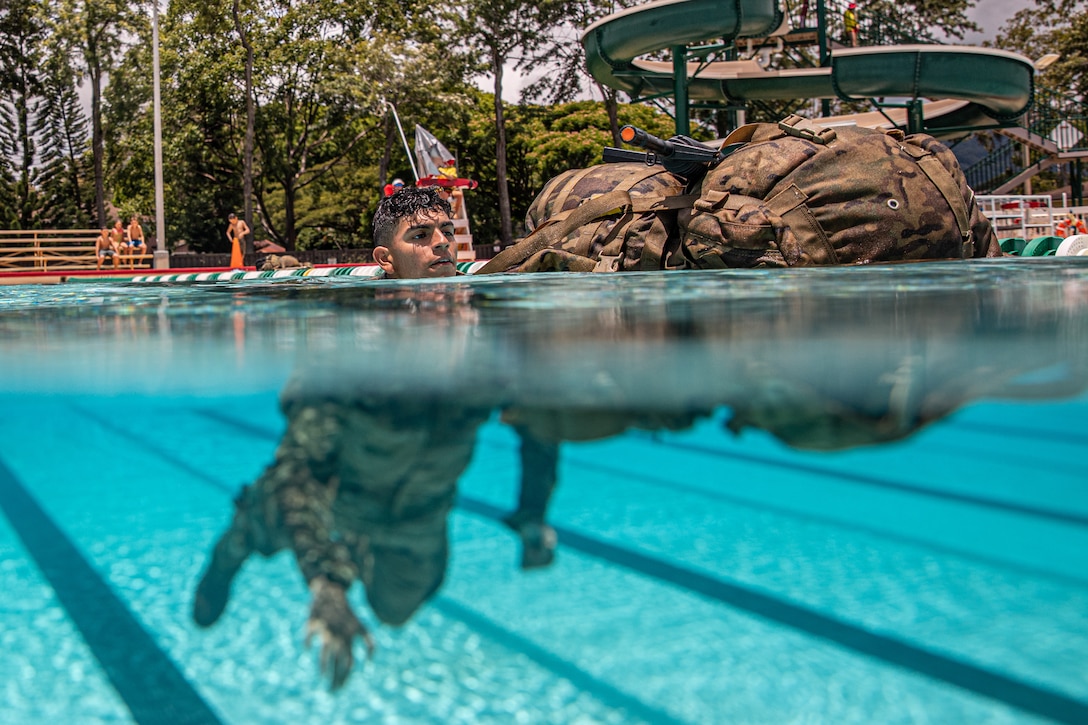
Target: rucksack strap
x,y
585,239
553,231
939,174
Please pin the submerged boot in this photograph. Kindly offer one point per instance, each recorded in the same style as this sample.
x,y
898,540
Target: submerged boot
x,y
538,539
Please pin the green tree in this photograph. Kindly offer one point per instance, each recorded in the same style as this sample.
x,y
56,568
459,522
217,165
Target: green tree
x,y
315,110
22,39
8,205
501,31
251,119
127,126
64,176
1053,26
200,106
96,30
560,65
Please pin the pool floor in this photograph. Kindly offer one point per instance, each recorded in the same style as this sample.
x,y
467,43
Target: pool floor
x,y
700,578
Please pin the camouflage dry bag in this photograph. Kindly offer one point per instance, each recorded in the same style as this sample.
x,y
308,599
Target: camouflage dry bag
x,y
610,217
802,194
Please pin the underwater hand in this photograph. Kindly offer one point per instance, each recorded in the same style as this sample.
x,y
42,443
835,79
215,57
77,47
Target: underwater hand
x,y
332,620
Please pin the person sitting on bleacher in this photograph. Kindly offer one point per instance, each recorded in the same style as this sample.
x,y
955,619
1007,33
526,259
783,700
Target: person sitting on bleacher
x,y
135,244
104,248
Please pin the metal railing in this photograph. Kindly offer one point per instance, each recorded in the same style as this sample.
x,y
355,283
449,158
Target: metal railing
x,y
1059,118
1000,165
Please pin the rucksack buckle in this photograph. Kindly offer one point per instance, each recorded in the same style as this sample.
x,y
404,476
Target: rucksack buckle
x,y
801,127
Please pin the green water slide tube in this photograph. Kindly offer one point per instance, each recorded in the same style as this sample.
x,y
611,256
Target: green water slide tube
x,y
998,83
614,41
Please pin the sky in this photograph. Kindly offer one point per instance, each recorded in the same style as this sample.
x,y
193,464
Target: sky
x,y
991,15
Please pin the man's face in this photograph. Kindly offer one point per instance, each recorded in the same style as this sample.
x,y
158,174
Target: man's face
x,y
422,246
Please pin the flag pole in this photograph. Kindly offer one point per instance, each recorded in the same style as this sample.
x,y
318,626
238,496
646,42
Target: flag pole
x,y
404,140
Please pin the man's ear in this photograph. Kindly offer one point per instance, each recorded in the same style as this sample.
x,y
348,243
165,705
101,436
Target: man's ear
x,y
384,258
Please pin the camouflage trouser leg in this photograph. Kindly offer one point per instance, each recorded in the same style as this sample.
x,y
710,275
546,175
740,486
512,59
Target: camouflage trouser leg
x,y
403,563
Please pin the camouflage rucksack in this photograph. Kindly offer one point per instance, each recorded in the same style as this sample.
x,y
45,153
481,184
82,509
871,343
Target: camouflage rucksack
x,y
801,194
609,217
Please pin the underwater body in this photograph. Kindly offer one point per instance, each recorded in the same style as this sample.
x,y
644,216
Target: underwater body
x,y
815,495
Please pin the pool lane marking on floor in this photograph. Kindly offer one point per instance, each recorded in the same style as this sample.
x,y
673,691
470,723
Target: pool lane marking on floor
x,y
606,693
890,650
163,453
1026,434
616,472
1076,519
823,471
599,689
573,460
147,680
1024,696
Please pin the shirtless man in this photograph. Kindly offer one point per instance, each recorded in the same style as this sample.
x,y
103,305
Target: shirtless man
x,y
118,236
105,249
237,229
136,242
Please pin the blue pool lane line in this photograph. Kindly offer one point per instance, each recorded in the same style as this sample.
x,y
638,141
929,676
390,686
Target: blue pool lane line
x,y
840,476
943,668
145,677
604,692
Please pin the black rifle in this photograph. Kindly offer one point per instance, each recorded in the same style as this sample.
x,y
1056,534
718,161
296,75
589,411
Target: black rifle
x,y
682,155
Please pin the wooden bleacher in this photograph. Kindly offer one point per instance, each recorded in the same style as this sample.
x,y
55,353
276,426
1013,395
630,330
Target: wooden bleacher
x,y
48,250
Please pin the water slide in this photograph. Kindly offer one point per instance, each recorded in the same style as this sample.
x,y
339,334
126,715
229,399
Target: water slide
x,y
971,87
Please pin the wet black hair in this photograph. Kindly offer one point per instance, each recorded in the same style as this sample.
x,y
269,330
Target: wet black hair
x,y
409,202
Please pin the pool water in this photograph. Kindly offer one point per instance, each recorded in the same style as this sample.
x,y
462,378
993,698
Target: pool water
x,y
851,495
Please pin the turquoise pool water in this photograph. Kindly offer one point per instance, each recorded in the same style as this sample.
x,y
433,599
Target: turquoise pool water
x,y
817,496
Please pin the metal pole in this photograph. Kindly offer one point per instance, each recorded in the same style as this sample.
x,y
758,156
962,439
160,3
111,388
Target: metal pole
x,y
915,118
1078,183
161,258
403,139
680,89
825,48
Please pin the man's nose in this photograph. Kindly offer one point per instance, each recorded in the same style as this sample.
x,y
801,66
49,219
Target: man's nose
x,y
439,240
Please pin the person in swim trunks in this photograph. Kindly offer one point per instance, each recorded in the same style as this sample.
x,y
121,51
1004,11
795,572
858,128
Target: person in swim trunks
x,y
105,249
136,236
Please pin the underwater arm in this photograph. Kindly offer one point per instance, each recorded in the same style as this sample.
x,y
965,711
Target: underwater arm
x,y
304,491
